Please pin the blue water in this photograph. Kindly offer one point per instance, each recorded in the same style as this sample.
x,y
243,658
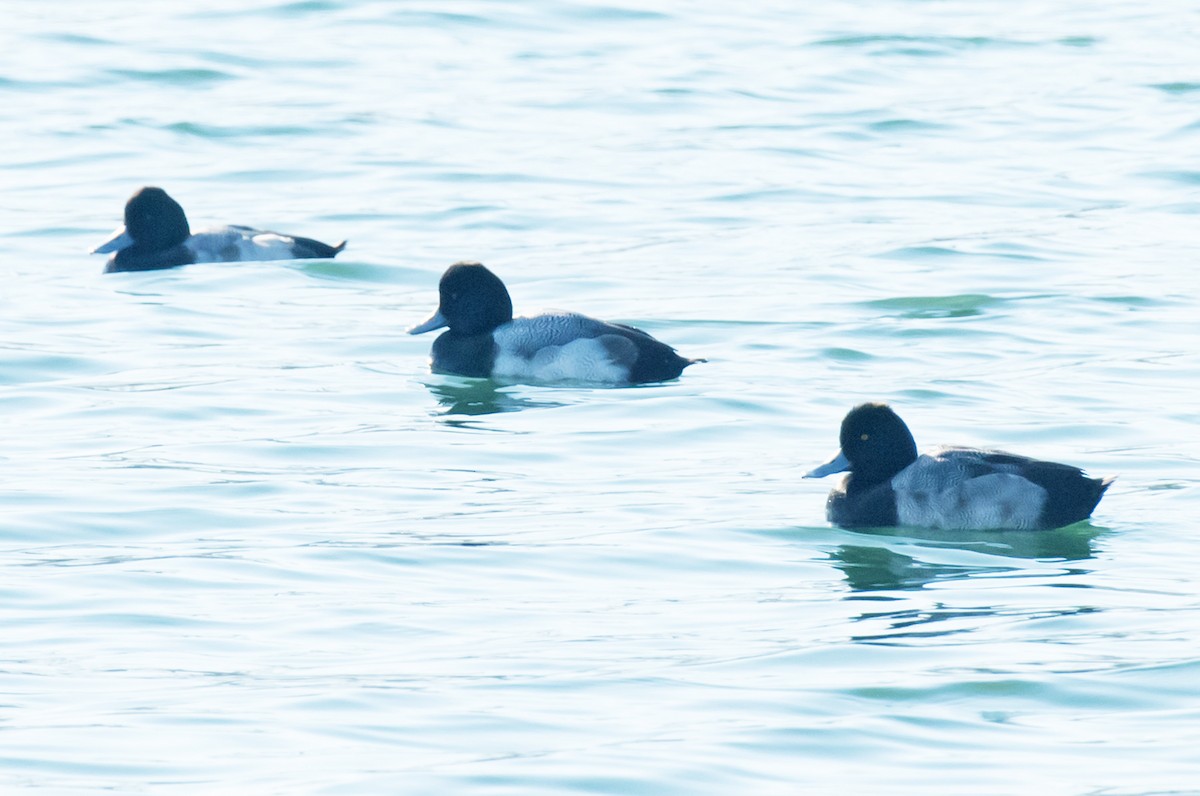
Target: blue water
x,y
249,544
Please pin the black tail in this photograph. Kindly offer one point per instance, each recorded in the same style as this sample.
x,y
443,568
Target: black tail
x,y
307,248
1074,499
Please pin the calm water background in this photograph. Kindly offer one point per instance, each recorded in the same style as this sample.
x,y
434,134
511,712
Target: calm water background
x,y
249,544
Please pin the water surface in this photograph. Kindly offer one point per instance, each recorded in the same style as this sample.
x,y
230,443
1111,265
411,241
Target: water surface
x,y
250,544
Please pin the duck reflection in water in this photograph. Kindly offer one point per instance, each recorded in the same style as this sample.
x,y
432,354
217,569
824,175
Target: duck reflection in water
x,y
877,567
879,573
473,397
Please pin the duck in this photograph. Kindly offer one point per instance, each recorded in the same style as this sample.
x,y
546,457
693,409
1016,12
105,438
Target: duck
x,y
156,235
949,488
484,340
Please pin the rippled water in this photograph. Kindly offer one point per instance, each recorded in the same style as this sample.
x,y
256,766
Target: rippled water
x,y
249,543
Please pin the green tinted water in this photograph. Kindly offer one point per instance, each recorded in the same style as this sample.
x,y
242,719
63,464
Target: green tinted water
x,y
250,544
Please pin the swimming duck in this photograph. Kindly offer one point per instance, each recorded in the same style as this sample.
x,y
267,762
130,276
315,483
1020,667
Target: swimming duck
x,y
485,340
950,487
156,235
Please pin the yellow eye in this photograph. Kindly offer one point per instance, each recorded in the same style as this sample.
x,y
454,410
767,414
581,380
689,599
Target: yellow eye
x,y
865,437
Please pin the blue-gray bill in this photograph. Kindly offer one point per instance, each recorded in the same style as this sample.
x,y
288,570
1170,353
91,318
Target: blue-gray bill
x,y
838,464
120,239
434,321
